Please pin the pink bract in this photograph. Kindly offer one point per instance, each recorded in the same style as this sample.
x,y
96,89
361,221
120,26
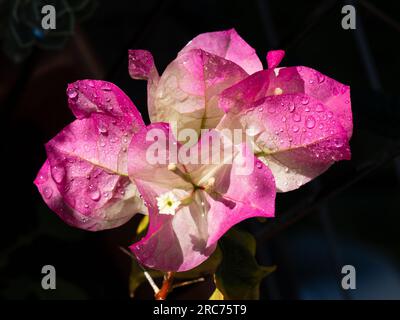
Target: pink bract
x,y
182,241
301,120
187,92
85,178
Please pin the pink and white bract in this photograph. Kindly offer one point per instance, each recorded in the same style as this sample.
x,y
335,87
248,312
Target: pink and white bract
x,y
97,176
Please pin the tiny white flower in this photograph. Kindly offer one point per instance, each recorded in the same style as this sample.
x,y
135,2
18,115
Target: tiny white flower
x,y
168,203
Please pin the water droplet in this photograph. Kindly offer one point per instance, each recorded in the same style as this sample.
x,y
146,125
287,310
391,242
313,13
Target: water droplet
x,y
72,93
102,127
86,205
260,109
283,119
271,109
346,101
291,106
259,165
106,87
305,100
338,143
95,195
295,129
58,174
91,83
296,117
47,192
319,107
330,114
310,122
311,81
286,169
320,78
102,144
307,109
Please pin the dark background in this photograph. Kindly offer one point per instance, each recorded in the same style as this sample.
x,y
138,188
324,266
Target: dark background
x,y
350,215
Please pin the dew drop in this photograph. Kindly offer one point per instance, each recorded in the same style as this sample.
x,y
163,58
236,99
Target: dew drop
x,y
95,195
259,165
47,192
106,87
320,78
291,107
305,100
271,109
296,117
58,174
72,93
319,107
283,119
102,127
310,122
295,129
91,83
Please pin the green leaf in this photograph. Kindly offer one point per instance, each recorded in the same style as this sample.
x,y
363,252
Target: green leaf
x,y
217,295
239,275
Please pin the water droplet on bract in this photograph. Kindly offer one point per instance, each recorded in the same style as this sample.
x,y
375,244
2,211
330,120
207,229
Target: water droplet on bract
x,y
95,195
320,78
47,192
307,109
58,174
305,100
330,114
291,107
106,87
86,205
296,117
295,129
271,109
310,122
319,107
91,83
283,119
338,143
259,165
286,169
72,93
346,101
311,81
102,127
321,126
261,109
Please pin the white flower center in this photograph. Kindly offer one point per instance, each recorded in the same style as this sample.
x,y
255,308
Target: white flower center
x,y
168,203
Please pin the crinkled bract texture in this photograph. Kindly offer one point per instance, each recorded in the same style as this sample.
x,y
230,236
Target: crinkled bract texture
x,y
85,178
214,197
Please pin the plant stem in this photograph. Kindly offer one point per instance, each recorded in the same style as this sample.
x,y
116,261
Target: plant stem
x,y
166,286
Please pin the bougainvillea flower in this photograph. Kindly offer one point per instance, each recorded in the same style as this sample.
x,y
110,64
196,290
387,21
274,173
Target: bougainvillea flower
x,y
85,177
186,95
301,120
192,205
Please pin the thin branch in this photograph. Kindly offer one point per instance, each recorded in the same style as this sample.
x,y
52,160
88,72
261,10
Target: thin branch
x,y
186,283
166,286
145,272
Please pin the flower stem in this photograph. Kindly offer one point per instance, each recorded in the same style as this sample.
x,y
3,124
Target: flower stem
x,y
166,286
